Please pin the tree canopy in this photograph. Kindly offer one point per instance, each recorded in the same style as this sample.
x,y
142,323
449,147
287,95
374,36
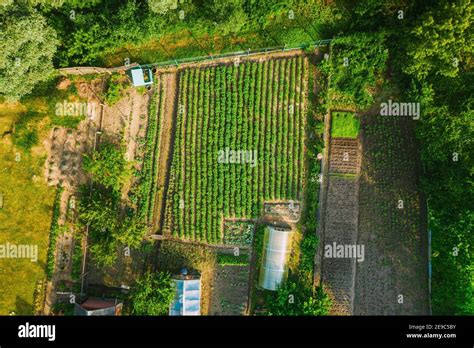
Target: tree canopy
x,y
26,51
108,166
152,294
441,40
112,223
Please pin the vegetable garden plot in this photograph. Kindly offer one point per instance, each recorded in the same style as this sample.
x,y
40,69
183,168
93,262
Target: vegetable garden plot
x,y
344,156
239,142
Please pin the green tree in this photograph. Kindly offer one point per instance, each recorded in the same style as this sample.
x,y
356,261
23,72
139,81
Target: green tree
x,y
446,135
228,16
441,40
131,231
294,299
104,252
152,294
162,6
98,210
318,304
27,48
357,65
108,166
110,221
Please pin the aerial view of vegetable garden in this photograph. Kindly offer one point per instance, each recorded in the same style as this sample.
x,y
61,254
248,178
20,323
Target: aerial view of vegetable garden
x,y
236,158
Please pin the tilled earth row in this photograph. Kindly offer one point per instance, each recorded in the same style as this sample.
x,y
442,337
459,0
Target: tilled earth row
x,y
344,156
338,274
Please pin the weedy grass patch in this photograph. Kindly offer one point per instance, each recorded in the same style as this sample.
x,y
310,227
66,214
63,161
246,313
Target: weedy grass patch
x,y
24,219
344,125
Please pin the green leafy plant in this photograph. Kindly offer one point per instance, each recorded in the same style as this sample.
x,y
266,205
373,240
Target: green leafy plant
x,y
344,125
108,166
232,260
53,234
152,294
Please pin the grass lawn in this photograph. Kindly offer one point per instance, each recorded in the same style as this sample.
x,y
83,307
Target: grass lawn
x,y
24,219
344,125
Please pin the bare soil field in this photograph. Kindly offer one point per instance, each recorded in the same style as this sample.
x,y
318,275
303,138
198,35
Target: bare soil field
x,y
393,279
338,274
165,139
381,209
230,290
125,121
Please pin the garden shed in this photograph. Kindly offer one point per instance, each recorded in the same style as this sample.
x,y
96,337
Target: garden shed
x,y
276,252
187,300
98,306
140,76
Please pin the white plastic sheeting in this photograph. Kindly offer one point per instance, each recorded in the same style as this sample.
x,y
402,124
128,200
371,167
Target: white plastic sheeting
x,y
187,300
276,252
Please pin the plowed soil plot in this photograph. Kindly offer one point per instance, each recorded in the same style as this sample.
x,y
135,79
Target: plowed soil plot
x,y
344,156
230,290
393,279
338,274
239,141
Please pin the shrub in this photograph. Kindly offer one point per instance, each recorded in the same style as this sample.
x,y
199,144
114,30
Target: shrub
x,y
53,234
152,294
115,87
232,260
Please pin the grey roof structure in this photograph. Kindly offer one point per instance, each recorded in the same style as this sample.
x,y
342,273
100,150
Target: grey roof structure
x,y
95,306
187,299
276,252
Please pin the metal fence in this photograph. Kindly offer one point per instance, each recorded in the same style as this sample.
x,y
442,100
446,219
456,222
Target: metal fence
x,y
249,52
86,70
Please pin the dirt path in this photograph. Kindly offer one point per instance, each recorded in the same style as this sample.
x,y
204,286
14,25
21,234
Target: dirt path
x,y
166,141
135,127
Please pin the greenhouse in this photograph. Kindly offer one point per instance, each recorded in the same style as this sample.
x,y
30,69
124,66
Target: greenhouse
x,y
187,300
276,252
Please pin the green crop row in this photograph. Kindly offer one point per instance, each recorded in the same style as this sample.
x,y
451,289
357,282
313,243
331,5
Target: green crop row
x,y
53,234
238,142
